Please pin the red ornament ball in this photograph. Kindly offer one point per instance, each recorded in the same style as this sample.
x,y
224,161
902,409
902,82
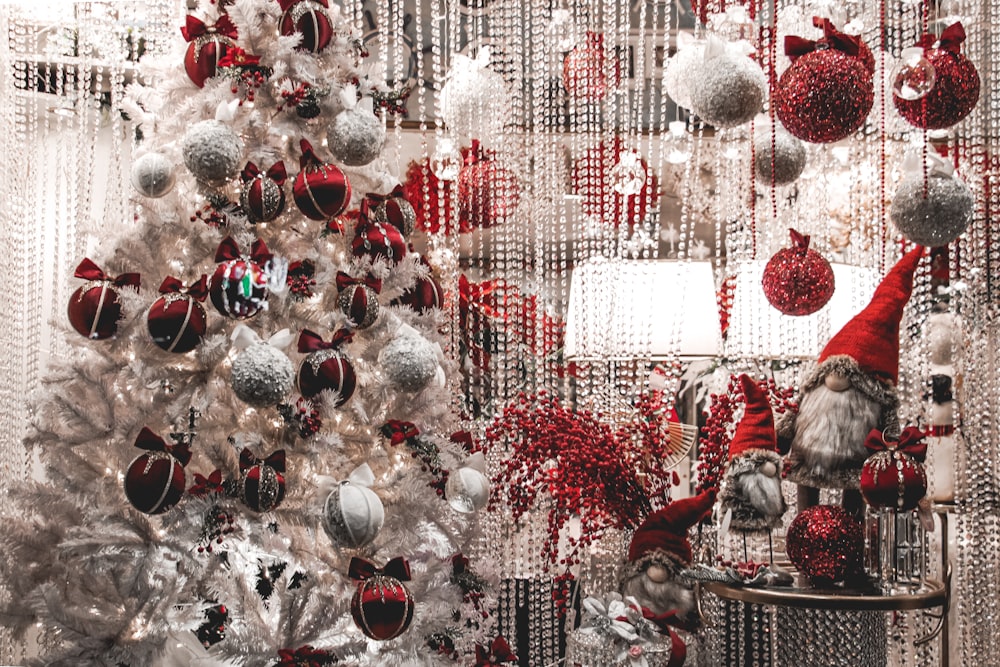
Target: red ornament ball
x,y
421,188
488,193
262,483
176,322
826,544
593,179
327,370
262,197
378,240
954,95
321,190
425,295
824,96
202,58
398,212
892,479
360,304
94,310
311,20
798,280
587,70
238,288
155,479
382,607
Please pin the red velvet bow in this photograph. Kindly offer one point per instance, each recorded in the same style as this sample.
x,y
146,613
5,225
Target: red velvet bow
x,y
911,441
498,652
275,460
194,28
372,200
197,290
90,271
464,438
308,155
288,4
306,656
950,40
362,569
345,280
276,173
399,432
154,443
229,249
476,296
205,485
312,342
832,38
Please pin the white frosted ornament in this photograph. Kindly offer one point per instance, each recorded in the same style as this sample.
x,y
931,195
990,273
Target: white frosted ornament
x,y
409,361
212,151
468,488
353,514
474,98
931,211
730,88
779,158
356,135
683,67
153,175
262,375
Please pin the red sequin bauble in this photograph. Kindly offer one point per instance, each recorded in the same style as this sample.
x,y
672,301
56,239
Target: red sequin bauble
x,y
378,240
824,96
327,369
238,288
893,480
798,280
593,179
176,322
488,193
154,482
954,95
94,310
587,72
310,19
321,191
382,607
203,55
826,544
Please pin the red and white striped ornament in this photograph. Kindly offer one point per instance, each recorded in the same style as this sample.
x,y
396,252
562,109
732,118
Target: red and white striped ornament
x,y
177,321
94,309
327,367
155,480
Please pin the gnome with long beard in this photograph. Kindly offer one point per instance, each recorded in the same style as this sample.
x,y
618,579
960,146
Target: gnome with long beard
x,y
751,486
850,392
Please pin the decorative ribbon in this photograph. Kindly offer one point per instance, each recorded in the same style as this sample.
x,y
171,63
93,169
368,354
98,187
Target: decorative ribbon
x,y
154,443
288,4
800,242
950,40
362,476
276,173
312,342
308,157
305,656
275,460
243,337
229,250
911,441
497,653
205,485
345,280
90,271
399,432
476,297
940,431
361,569
194,28
197,290
373,200
832,38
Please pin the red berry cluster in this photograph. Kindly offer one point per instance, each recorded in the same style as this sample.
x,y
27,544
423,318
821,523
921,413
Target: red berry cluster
x,y
292,98
211,216
304,417
217,524
251,78
429,456
300,279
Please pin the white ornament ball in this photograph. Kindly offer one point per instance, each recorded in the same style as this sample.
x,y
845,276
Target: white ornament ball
x,y
779,159
353,515
409,361
934,216
212,151
262,375
683,68
356,136
474,102
153,175
467,490
728,91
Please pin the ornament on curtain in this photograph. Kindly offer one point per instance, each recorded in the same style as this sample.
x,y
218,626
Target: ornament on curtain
x,y
488,192
588,73
932,206
797,280
730,89
592,178
475,99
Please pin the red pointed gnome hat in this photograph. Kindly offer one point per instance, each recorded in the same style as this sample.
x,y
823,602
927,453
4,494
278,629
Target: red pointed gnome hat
x,y
871,338
756,428
666,529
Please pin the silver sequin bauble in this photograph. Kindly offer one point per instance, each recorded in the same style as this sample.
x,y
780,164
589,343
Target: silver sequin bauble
x,y
728,91
262,375
937,219
353,515
153,175
682,69
212,151
786,161
355,137
409,361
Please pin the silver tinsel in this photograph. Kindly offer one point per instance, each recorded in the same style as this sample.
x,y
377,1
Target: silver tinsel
x,y
153,175
788,157
936,219
212,151
353,515
355,137
728,91
262,375
409,361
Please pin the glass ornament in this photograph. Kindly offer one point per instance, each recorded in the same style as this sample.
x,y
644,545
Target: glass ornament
x,y
447,160
628,176
677,149
913,76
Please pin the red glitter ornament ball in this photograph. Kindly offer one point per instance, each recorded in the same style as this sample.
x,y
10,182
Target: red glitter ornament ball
x,y
321,190
155,480
488,192
956,84
326,367
94,309
382,607
239,286
588,72
826,544
378,240
894,477
207,46
797,280
177,320
593,179
310,18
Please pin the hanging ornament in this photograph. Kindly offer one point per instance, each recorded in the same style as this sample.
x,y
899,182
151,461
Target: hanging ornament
x,y
931,209
825,543
394,209
588,74
155,480
382,606
447,160
326,368
95,307
377,240
353,514
356,135
432,199
321,189
153,175
207,45
592,180
239,286
894,477
731,87
311,19
683,68
468,488
797,280
778,158
677,148
827,92
424,295
488,192
177,321
629,174
475,99
262,374
263,198
212,151
955,88
358,299
914,76
409,361
262,481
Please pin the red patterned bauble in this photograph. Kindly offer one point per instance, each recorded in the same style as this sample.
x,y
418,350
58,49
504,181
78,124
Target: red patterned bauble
x,y
358,299
894,477
488,192
262,482
207,45
177,321
321,190
588,73
94,309
326,368
155,480
382,606
310,18
826,544
263,198
378,240
594,180
956,84
392,208
238,287
797,280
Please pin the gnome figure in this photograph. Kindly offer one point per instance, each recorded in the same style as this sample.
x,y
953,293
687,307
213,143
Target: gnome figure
x,y
751,486
850,392
658,552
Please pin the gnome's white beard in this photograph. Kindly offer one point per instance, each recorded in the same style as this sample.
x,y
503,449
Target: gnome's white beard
x,y
763,493
660,597
831,428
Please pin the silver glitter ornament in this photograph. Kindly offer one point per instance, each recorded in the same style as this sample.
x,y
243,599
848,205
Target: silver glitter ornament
x,y
262,375
360,304
728,91
355,137
153,175
212,151
409,361
682,68
934,216
353,515
779,159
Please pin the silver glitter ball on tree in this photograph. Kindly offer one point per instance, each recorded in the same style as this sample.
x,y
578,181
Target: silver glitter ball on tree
x,y
262,375
212,151
355,136
728,91
778,159
153,175
934,215
409,361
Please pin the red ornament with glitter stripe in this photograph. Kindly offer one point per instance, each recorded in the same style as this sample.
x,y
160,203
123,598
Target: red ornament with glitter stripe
x,y
155,480
321,190
894,476
378,240
326,368
262,481
207,45
177,320
95,308
310,18
382,605
358,299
